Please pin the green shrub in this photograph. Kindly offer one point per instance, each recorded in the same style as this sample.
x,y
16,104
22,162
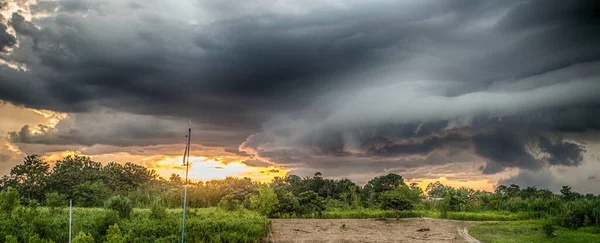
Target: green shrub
x,y
548,229
121,204
9,200
55,200
575,214
11,239
310,203
113,235
90,194
36,239
157,209
229,202
83,238
265,202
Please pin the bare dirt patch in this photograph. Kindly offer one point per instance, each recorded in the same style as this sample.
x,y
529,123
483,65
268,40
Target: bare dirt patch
x,y
367,230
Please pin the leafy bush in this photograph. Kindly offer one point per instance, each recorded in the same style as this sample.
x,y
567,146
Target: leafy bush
x,y
55,200
83,238
400,199
113,235
288,203
265,202
9,200
11,239
310,203
122,205
90,194
157,209
548,229
575,214
229,202
36,239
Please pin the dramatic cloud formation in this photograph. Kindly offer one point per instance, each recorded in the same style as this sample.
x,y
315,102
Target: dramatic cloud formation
x,y
352,89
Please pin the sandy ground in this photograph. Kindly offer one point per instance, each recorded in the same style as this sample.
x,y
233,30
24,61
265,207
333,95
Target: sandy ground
x,y
369,230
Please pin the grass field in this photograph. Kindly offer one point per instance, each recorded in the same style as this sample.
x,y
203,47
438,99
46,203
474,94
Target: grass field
x,y
469,216
530,231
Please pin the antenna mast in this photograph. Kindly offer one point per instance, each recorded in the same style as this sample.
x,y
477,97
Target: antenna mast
x,y
186,161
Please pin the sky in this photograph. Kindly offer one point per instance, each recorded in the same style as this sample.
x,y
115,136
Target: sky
x,y
469,93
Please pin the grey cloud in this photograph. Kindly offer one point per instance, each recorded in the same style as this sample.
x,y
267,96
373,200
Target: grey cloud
x,y
318,84
424,147
504,149
121,129
6,40
538,13
254,162
562,153
540,179
575,177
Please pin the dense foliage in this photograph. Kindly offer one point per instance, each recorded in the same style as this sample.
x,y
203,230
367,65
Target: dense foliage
x,y
121,188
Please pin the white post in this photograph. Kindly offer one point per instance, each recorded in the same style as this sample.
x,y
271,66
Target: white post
x,y
70,217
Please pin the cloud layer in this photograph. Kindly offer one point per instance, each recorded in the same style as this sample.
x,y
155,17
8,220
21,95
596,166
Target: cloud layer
x,y
343,87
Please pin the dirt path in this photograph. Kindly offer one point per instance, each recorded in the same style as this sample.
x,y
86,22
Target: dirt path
x,y
370,230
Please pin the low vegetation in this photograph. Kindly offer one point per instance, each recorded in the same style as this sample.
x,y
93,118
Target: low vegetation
x,y
531,231
129,203
105,225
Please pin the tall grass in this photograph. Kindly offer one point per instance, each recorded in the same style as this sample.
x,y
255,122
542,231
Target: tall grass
x,y
379,213
202,225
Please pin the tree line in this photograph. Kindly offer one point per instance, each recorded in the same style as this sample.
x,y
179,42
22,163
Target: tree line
x,y
90,184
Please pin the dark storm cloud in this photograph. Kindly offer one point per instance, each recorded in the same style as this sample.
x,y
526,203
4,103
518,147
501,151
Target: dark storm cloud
x,y
106,127
503,149
22,26
425,147
250,60
317,85
6,40
562,153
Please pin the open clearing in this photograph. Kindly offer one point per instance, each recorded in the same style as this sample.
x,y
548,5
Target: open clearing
x,y
369,230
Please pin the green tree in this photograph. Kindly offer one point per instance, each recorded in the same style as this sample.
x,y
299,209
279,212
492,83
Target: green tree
x,y
83,238
435,189
9,200
121,204
310,203
266,201
229,202
113,235
56,200
383,183
36,239
114,177
288,203
73,171
90,194
11,239
568,195
400,199
453,200
30,177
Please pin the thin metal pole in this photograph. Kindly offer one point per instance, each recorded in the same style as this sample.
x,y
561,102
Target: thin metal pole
x,y
186,159
70,217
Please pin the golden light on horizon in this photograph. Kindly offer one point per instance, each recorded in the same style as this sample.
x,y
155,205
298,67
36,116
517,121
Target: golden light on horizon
x,y
204,169
481,184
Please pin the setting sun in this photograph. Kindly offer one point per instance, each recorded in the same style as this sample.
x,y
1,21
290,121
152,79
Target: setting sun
x,y
203,169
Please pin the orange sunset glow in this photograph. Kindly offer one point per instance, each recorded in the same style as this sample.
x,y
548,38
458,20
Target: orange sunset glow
x,y
203,169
